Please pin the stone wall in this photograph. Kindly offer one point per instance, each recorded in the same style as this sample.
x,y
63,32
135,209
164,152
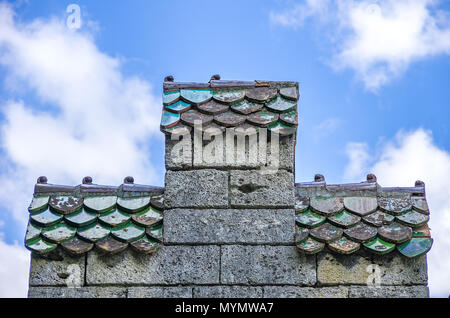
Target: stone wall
x,y
228,232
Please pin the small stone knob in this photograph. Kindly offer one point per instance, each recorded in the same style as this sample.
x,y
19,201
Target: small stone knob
x,y
215,77
419,183
168,78
42,179
87,180
371,178
319,178
128,180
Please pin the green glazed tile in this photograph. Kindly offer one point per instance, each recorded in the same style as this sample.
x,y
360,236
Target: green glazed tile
x,y
263,118
301,204
229,96
169,119
38,203
128,233
40,246
196,96
146,245
289,118
178,107
115,218
310,246
81,218
93,232
378,246
58,233
413,219
309,219
155,232
65,204
344,219
281,104
33,232
282,129
344,246
415,247
100,204
170,97
133,205
147,217
46,217
301,234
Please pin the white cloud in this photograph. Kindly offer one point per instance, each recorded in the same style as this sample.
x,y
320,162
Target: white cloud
x,y
14,269
326,128
91,119
379,39
414,156
357,153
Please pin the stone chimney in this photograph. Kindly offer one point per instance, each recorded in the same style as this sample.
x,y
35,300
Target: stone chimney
x,y
230,221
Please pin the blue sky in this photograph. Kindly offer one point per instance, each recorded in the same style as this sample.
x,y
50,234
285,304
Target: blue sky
x,y
373,75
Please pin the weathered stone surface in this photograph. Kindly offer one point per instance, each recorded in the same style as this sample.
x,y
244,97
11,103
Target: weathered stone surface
x,y
305,292
227,292
342,269
57,269
264,264
170,265
399,270
252,188
82,292
418,291
229,226
160,292
197,188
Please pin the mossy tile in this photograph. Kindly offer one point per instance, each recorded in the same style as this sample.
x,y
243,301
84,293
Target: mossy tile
x,y
413,219
326,233
282,129
100,204
213,108
246,107
147,217
40,246
155,232
46,218
301,204
301,234
361,232
38,203
93,232
178,130
33,232
344,246
77,246
422,231
65,204
133,205
229,119
114,218
378,246
192,116
415,247
58,233
395,233
146,245
326,206
229,96
289,92
310,246
157,201
309,219
420,205
289,118
81,218
344,219
378,218
394,206
110,245
196,96
261,94
263,118
128,233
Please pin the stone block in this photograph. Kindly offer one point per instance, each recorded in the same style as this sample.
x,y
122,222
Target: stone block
x,y
196,188
229,226
170,265
227,292
396,269
258,190
418,291
160,292
83,292
58,268
266,264
343,269
305,292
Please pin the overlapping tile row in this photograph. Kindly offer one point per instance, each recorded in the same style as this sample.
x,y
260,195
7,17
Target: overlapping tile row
x,y
217,107
110,223
377,222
